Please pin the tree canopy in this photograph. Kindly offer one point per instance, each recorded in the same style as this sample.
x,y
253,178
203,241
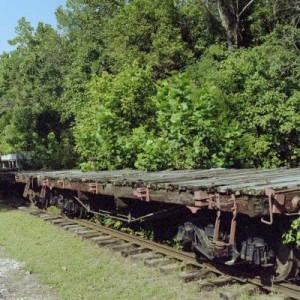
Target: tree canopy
x,y
155,84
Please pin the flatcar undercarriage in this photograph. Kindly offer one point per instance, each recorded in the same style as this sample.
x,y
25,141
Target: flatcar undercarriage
x,y
231,226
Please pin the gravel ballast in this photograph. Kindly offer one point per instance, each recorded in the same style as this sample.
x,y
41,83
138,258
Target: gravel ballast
x,y
18,284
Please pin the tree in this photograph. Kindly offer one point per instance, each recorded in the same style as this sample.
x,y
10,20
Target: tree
x,y
116,106
287,11
150,32
233,15
199,27
150,84
31,83
82,23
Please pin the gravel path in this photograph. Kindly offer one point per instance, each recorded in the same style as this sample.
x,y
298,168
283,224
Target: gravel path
x,y
17,284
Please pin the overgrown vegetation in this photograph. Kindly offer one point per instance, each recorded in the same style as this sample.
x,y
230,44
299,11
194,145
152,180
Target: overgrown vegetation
x,y
293,234
134,229
155,84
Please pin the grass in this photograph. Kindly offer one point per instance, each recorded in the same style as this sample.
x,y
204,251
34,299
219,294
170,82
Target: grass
x,y
79,269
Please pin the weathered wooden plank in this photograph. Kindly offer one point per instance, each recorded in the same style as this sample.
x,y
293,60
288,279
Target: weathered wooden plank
x,y
245,181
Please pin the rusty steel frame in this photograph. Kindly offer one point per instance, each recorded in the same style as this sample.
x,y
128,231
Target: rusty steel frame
x,y
270,195
125,218
142,194
279,202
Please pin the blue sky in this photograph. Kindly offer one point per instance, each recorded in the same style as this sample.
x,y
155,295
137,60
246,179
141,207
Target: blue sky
x,y
33,10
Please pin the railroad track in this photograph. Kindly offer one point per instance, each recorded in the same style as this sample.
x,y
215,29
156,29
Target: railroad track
x,y
168,259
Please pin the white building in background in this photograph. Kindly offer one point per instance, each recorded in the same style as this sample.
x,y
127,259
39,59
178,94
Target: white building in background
x,y
14,160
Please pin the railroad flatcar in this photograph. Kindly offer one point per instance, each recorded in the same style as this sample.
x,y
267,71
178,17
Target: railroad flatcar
x,y
225,215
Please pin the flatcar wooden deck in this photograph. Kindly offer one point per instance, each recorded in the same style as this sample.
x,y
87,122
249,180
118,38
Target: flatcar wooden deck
x,y
243,181
250,188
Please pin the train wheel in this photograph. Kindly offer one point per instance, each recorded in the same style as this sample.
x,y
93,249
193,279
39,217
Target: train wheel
x,y
287,263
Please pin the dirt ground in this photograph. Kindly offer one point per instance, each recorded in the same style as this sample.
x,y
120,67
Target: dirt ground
x,y
17,284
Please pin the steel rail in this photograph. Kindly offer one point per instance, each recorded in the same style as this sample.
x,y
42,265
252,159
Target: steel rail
x,y
286,288
163,249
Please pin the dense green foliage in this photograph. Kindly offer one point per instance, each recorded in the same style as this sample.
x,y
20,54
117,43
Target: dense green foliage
x,y
293,234
155,84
